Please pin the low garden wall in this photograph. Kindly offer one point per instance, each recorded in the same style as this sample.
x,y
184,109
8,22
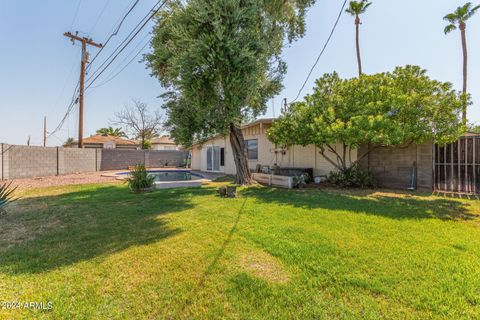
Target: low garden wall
x,y
18,162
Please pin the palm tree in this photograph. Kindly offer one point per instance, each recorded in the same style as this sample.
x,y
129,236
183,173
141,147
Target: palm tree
x,y
456,20
356,8
117,132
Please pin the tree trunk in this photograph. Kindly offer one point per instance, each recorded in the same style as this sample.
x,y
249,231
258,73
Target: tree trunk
x,y
464,91
240,156
357,36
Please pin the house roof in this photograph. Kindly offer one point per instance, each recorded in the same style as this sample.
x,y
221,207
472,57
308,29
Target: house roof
x,y
101,139
253,123
163,140
244,126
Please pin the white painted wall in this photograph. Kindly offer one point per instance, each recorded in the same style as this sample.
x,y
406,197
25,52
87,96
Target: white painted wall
x,y
295,156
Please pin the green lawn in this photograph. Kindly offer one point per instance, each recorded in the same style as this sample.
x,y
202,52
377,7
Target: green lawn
x,y
99,252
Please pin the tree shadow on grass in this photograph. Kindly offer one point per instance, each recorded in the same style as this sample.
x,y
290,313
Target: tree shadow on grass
x,y
394,206
61,230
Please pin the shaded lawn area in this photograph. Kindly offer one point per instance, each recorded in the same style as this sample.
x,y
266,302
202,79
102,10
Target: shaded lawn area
x,y
99,252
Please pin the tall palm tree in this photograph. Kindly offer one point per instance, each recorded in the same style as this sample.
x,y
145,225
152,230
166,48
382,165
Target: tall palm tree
x,y
456,20
117,132
356,8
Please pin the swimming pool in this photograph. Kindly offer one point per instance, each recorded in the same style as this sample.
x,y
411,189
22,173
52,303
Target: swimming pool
x,y
171,175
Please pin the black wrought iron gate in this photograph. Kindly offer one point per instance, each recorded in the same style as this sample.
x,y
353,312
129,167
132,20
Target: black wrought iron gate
x,y
456,166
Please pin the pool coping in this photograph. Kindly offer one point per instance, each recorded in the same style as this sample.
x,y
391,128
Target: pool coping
x,y
165,184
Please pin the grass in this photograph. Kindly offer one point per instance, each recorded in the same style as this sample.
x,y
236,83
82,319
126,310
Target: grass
x,y
100,252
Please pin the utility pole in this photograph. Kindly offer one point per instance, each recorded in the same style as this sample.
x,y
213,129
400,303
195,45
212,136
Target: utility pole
x,y
84,41
44,131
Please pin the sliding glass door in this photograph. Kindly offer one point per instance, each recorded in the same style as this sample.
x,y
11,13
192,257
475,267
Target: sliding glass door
x,y
213,159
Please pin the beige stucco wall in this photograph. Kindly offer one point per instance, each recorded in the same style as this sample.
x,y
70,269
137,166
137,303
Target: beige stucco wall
x,y
295,156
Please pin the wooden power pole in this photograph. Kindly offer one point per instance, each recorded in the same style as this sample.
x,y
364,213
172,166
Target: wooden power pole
x,y
84,42
44,131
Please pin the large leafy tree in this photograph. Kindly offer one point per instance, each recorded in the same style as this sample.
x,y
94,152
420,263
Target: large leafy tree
x,y
220,60
457,19
386,109
356,8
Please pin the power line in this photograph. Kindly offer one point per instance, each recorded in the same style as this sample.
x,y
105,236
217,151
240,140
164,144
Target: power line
x,y
127,40
114,33
148,17
321,52
124,67
76,13
99,16
76,90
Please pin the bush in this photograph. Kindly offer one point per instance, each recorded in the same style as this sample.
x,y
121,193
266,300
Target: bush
x,y
6,191
299,181
353,177
139,180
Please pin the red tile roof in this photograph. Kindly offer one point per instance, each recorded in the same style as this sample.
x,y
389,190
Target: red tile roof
x,y
101,139
163,140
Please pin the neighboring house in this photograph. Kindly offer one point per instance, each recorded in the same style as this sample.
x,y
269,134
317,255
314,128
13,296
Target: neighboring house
x,y
215,155
101,141
164,143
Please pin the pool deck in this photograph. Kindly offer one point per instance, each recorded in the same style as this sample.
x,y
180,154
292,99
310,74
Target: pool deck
x,y
207,177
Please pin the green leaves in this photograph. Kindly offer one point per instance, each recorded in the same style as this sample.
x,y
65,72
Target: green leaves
x,y
356,8
6,191
387,109
220,61
460,15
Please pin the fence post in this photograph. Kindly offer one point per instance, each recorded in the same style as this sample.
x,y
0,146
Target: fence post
x,y
58,163
146,157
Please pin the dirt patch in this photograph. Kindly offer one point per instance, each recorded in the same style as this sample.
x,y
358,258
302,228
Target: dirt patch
x,y
15,233
264,266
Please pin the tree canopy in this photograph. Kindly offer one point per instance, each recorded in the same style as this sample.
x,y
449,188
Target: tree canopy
x,y
387,109
220,61
459,16
116,132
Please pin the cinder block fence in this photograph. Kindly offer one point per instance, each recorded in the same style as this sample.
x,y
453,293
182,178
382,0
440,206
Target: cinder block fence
x,y
18,162
396,167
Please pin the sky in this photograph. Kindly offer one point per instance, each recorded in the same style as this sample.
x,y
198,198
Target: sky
x,y
40,67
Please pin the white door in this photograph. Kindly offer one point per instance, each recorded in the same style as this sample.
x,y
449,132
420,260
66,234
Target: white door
x,y
213,159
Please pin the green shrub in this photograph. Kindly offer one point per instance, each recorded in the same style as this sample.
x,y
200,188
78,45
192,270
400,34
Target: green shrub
x,y
353,177
6,191
139,180
299,181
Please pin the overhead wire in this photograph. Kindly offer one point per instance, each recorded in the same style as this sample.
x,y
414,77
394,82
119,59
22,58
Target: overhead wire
x,y
125,43
323,50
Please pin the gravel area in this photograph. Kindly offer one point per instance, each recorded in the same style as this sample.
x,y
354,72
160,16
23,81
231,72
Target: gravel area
x,y
70,179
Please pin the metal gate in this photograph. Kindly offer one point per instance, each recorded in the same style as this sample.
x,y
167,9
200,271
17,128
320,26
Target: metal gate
x,y
456,166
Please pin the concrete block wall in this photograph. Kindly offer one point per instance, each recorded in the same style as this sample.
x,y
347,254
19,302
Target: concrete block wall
x,y
392,167
161,158
72,160
26,162
18,162
113,159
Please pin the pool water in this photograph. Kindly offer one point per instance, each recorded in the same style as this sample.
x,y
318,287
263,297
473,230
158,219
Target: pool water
x,y
170,175
174,176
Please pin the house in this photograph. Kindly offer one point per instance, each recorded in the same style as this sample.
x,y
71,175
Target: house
x,y
215,155
164,143
103,141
